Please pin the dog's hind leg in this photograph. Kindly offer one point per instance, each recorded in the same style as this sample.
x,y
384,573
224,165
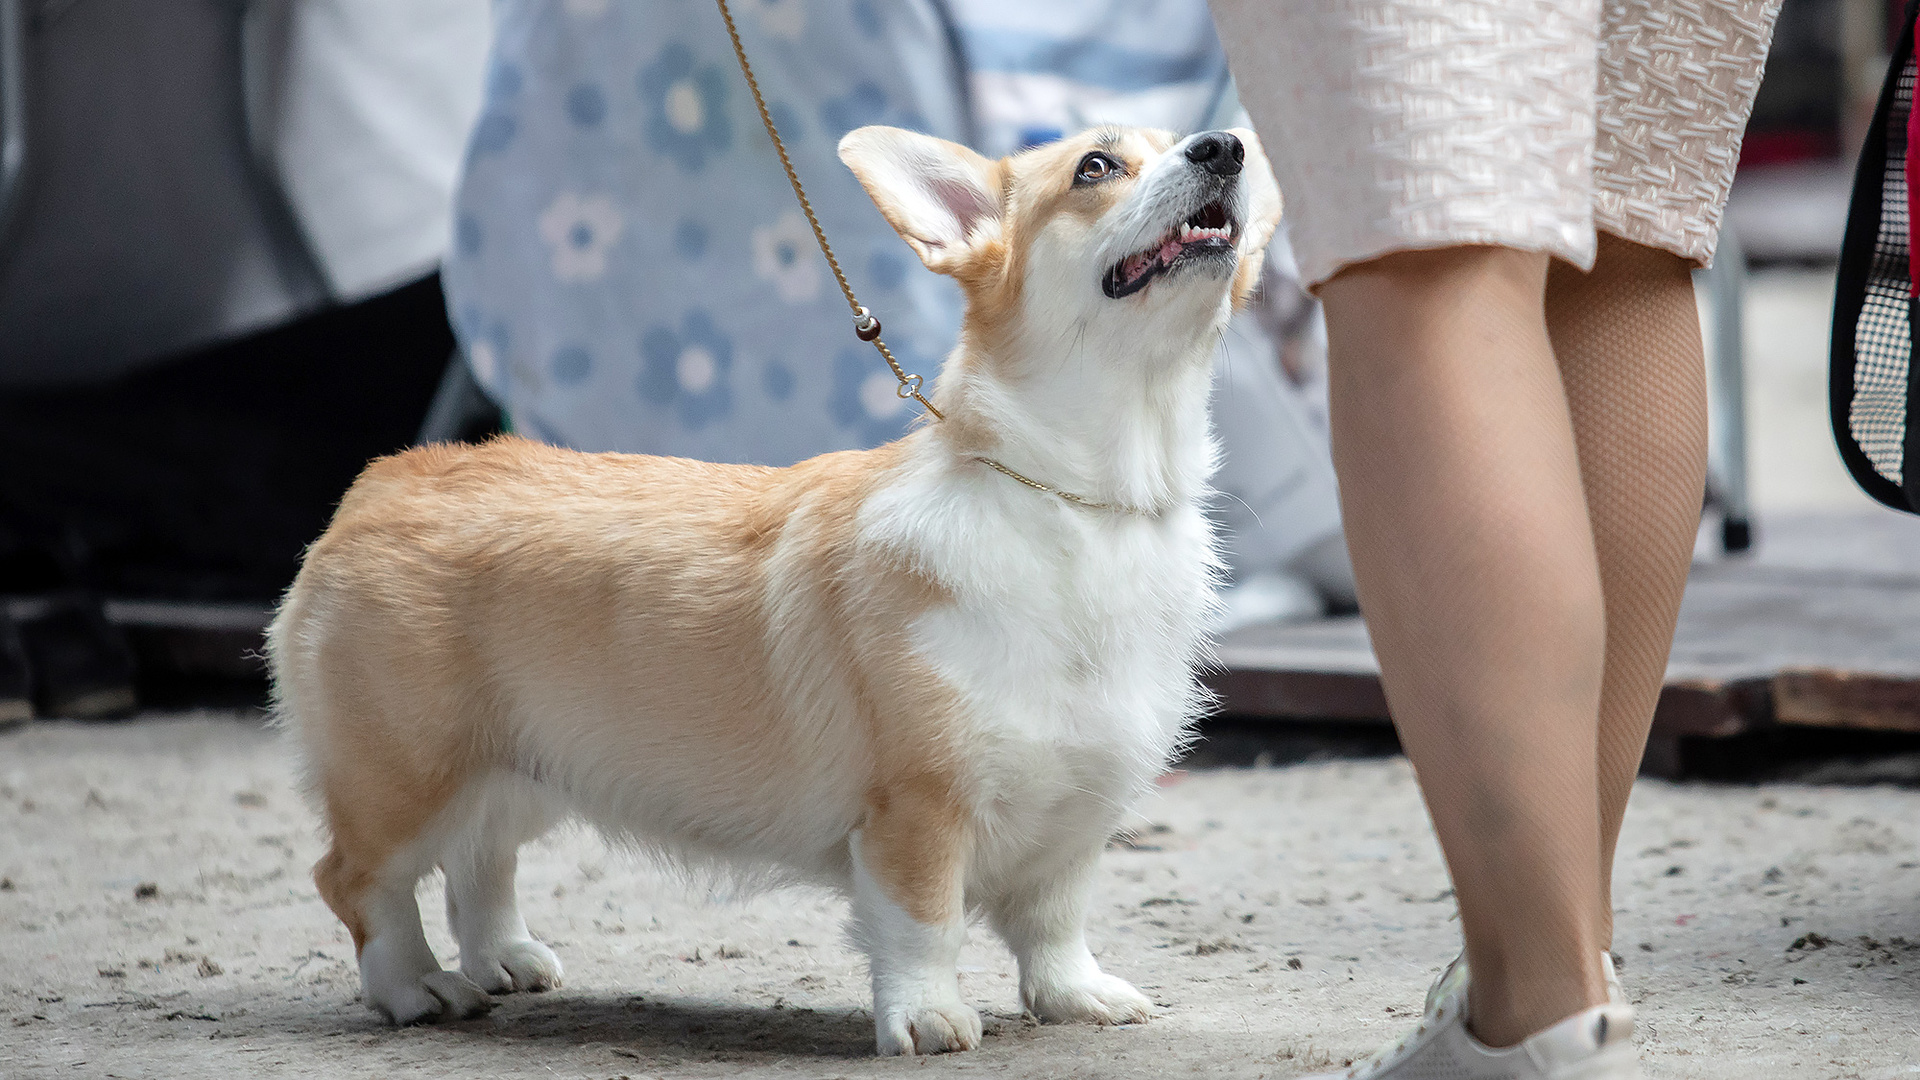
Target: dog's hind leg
x,y
392,794
399,975
496,951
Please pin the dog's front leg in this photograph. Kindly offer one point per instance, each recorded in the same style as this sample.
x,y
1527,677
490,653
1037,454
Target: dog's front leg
x,y
909,912
1043,920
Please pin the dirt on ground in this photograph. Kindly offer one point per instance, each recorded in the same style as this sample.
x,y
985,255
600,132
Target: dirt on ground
x,y
156,920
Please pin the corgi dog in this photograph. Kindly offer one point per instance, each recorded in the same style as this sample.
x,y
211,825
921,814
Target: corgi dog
x,y
933,675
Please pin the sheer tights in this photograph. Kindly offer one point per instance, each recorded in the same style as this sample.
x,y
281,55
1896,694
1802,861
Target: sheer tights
x,y
1627,337
1520,452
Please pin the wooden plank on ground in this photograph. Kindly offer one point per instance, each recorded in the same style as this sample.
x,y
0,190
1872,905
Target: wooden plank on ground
x,y
1846,699
1755,645
1319,670
1832,648
1322,670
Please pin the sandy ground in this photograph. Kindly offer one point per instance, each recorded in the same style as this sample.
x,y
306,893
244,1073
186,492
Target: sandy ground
x,y
156,920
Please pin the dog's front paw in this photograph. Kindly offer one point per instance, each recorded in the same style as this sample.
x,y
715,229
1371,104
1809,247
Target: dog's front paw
x,y
927,1028
1098,997
513,966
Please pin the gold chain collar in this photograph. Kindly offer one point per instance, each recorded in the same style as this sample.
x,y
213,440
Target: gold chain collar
x,y
865,325
1067,495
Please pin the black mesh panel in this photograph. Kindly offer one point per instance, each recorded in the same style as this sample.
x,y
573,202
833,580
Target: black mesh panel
x,y
1875,403
1882,336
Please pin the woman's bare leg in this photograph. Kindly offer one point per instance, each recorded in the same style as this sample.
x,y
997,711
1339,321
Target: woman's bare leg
x,y
1461,490
1628,340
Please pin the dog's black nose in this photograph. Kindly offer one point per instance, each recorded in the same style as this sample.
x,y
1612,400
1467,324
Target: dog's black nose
x,y
1218,152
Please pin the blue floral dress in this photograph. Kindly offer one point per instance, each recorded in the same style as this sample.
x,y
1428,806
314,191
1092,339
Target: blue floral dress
x,y
630,270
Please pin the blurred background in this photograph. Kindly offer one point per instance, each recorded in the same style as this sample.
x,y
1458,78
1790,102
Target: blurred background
x,y
223,226
220,229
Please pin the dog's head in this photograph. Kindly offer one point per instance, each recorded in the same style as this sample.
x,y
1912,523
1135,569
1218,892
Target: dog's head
x,y
1134,234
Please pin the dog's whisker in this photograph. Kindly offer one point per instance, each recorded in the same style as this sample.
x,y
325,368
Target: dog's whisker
x,y
1245,503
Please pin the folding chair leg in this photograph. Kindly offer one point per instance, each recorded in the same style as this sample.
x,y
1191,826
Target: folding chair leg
x,y
1726,393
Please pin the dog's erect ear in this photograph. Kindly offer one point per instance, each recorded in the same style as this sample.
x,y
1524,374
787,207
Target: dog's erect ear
x,y
941,197
1263,216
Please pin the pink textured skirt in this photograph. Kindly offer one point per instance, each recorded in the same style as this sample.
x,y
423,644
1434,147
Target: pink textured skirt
x,y
1406,124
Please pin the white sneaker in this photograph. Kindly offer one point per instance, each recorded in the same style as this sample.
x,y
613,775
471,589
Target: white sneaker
x,y
1616,994
1595,1044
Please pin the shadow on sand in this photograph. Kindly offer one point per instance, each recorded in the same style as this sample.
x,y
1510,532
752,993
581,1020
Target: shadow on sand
x,y
645,1028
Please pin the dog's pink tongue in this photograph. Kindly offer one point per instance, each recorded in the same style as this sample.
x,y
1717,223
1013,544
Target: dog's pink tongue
x,y
1170,251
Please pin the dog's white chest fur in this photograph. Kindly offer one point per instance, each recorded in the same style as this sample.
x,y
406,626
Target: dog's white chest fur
x,y
1072,637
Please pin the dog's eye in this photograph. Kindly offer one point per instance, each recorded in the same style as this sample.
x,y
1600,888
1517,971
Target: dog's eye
x,y
1094,168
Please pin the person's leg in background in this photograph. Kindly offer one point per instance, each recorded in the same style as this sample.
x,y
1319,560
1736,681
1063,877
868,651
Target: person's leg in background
x,y
1461,492
1627,336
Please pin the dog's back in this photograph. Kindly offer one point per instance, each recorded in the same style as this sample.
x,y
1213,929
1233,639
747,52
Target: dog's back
x,y
600,623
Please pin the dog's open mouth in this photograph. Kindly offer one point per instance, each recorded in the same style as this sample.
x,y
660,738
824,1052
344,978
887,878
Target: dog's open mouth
x,y
1209,232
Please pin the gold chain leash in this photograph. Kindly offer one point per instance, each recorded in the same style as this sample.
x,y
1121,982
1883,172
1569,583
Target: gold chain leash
x,y
865,325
